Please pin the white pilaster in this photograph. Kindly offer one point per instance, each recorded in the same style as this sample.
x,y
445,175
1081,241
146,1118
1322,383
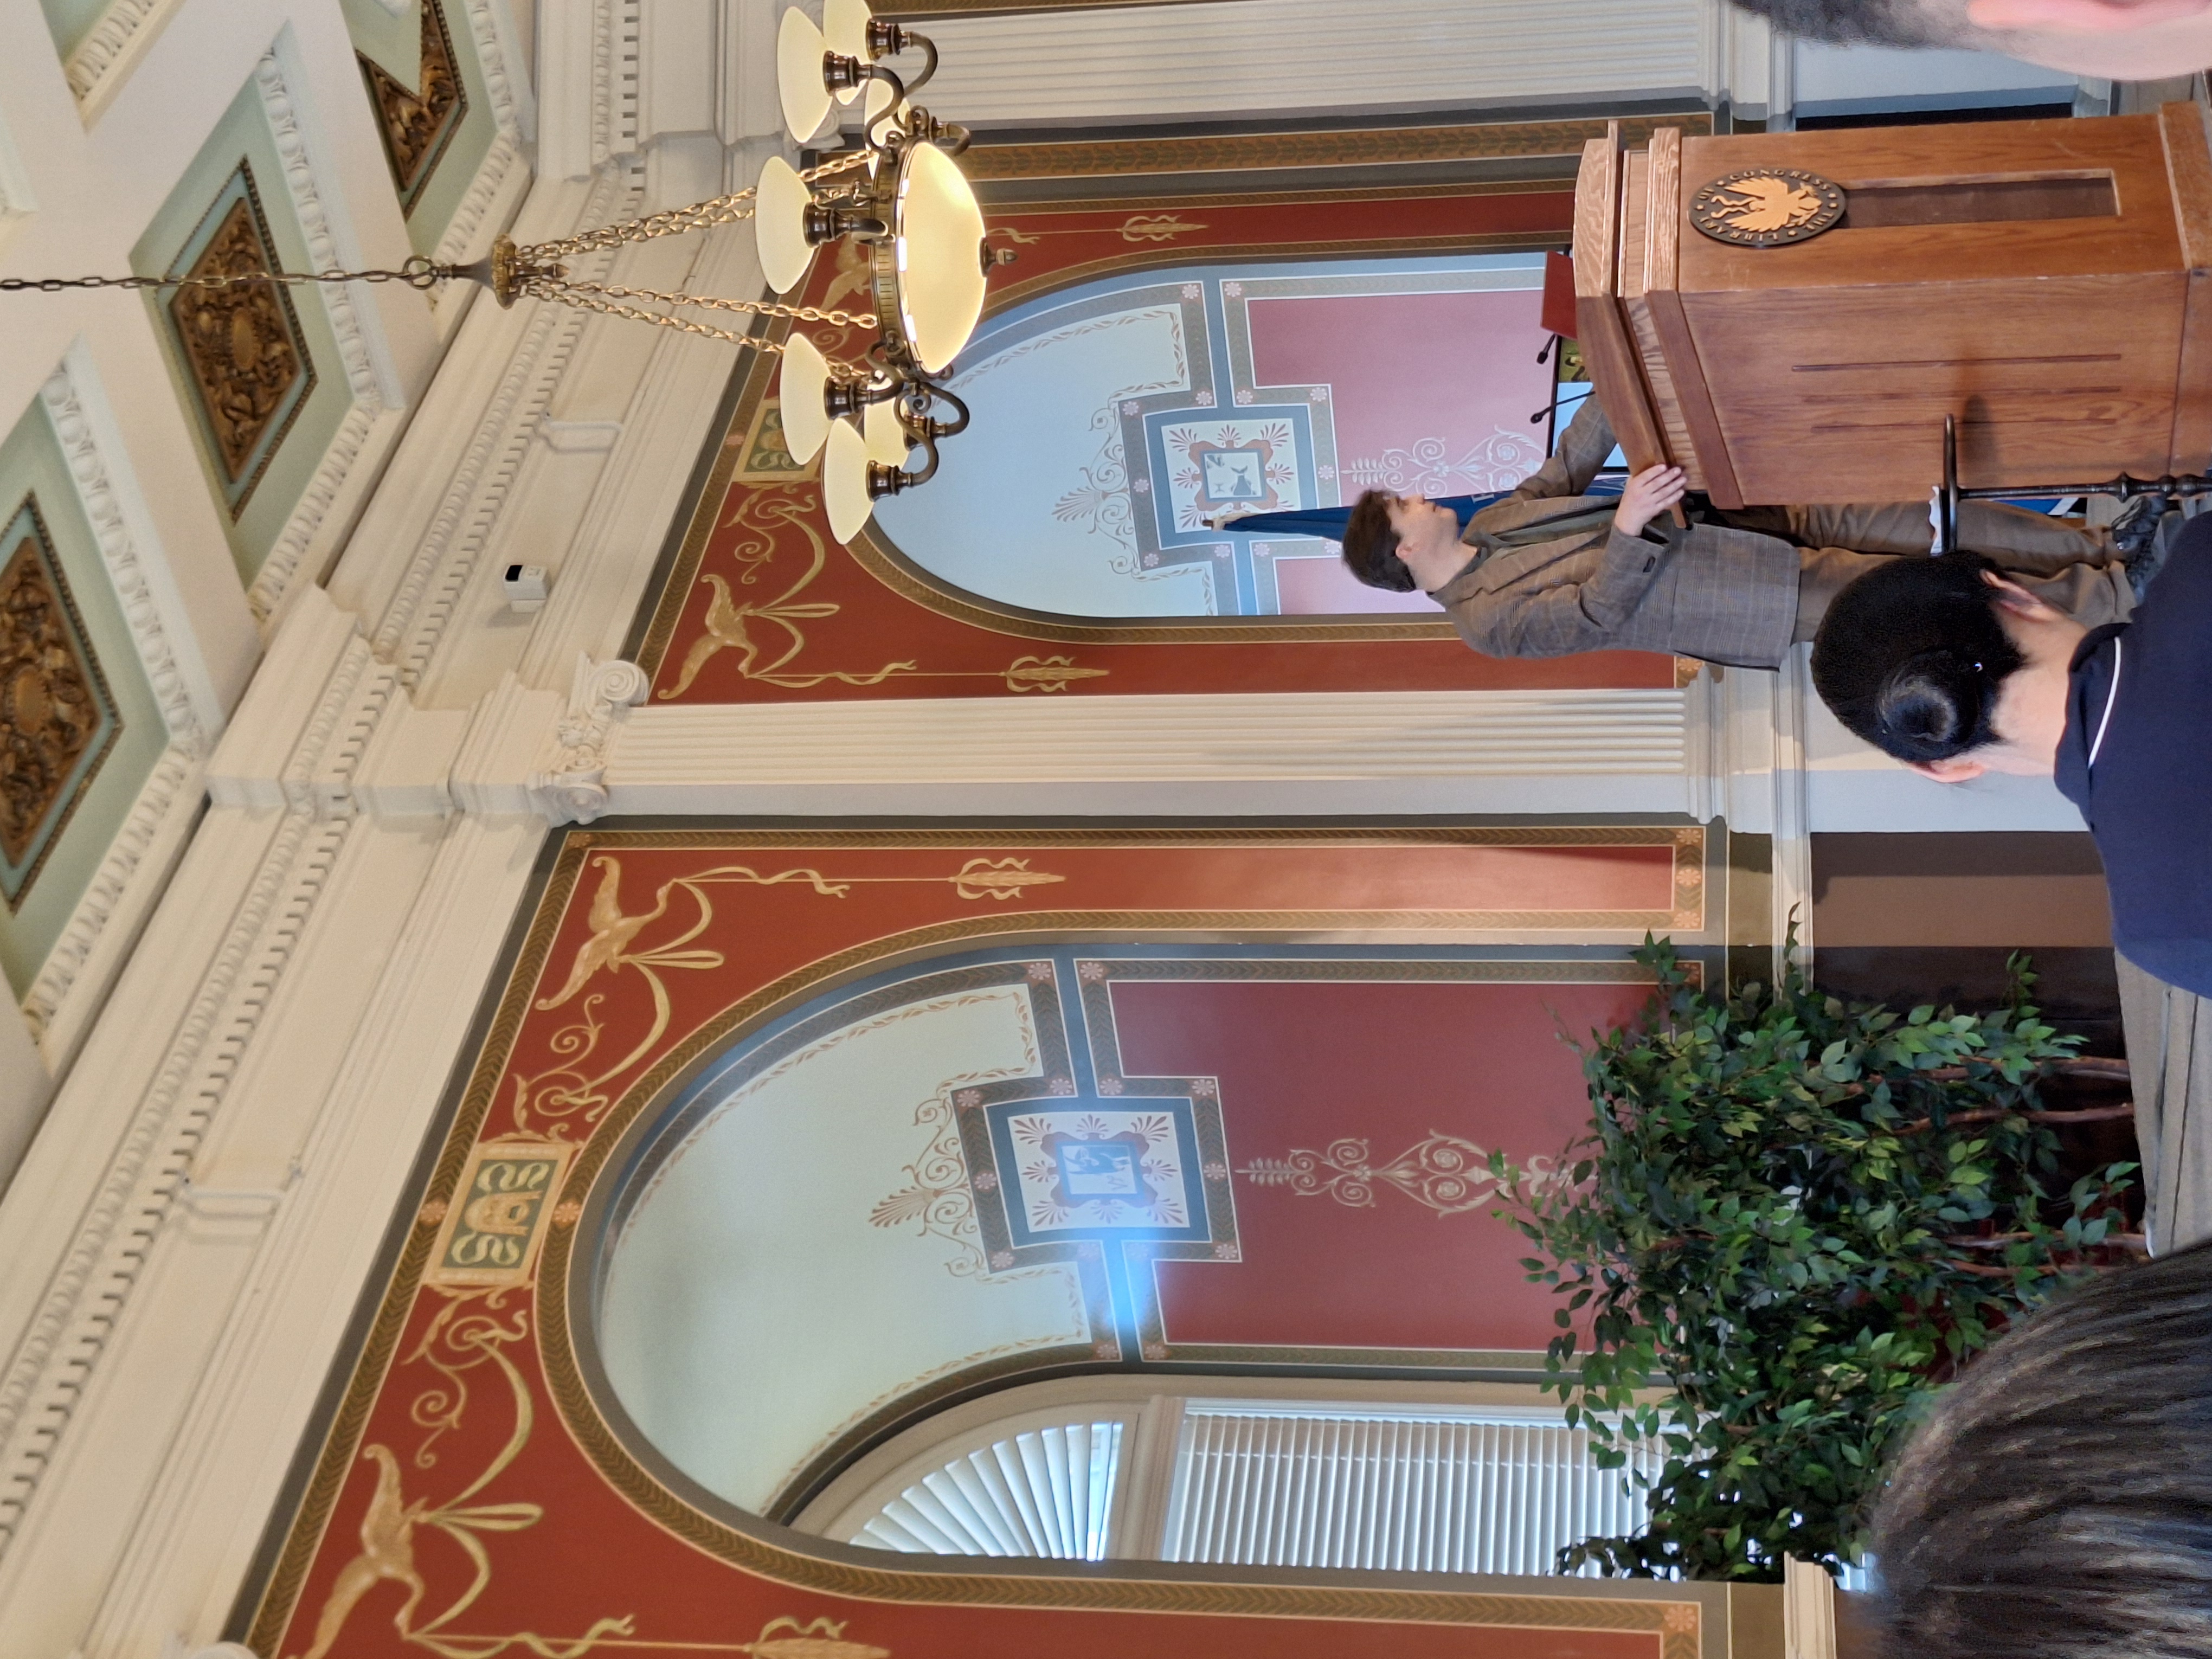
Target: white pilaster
x,y
1451,752
1287,58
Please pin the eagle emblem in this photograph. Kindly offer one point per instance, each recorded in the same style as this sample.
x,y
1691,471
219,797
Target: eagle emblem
x,y
1766,207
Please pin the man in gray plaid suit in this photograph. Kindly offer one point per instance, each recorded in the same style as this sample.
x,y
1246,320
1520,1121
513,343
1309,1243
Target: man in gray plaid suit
x,y
1552,570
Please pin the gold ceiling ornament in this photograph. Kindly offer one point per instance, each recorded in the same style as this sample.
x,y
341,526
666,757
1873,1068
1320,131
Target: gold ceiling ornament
x,y
58,721
417,123
1767,207
899,193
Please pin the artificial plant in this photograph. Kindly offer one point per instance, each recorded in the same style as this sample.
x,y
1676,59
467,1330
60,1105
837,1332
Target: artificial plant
x,y
1792,1220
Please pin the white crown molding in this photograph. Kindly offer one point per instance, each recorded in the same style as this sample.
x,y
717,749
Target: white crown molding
x,y
60,1347
588,86
173,1125
349,466
424,559
134,562
111,49
502,179
73,981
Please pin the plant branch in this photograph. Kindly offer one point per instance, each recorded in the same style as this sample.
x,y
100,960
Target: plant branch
x,y
1992,1115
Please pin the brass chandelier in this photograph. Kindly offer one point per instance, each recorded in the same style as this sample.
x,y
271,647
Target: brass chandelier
x,y
901,193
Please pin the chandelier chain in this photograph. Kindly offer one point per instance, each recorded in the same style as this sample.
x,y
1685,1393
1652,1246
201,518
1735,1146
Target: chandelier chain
x,y
699,215
543,287
418,272
583,302
590,296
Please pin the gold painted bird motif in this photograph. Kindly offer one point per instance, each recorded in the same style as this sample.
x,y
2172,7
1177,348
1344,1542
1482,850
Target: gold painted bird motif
x,y
387,1551
611,931
724,628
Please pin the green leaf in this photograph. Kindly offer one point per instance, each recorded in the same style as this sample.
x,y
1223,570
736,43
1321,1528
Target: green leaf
x,y
1748,1233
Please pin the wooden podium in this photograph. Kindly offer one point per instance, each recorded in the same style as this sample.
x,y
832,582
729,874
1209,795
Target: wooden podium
x,y
2048,282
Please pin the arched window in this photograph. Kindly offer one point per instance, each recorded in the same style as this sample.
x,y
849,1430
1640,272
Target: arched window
x,y
1116,423
1410,1478
982,1167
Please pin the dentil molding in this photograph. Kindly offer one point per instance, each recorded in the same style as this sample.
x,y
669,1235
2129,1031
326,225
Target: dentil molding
x,y
347,463
328,778
503,176
75,976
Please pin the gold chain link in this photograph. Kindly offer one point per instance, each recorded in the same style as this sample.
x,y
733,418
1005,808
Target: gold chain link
x,y
699,215
717,302
568,296
418,273
593,296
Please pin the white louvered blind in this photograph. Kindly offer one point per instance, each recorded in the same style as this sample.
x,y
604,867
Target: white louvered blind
x,y
1257,1486
1046,1494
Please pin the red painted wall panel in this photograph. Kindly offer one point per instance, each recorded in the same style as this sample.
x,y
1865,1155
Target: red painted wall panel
x,y
1303,1066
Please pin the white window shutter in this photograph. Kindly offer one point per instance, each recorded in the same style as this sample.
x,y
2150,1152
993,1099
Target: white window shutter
x,y
1046,1494
1402,1491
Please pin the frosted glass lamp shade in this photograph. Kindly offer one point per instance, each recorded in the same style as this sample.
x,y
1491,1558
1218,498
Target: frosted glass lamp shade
x,y
845,482
938,227
845,28
799,386
886,439
799,52
779,204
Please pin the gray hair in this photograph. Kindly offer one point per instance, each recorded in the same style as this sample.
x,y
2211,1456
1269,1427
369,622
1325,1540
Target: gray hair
x,y
1872,22
2057,1503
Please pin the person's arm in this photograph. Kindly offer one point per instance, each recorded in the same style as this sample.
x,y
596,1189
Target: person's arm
x,y
1554,621
1581,450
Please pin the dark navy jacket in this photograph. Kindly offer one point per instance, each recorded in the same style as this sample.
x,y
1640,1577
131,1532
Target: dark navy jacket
x,y
2136,758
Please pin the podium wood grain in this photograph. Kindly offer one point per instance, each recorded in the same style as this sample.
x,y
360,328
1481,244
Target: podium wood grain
x,y
2069,347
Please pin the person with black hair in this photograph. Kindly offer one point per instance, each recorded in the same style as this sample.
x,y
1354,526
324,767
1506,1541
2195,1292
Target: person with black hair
x,y
2114,39
1957,670
1553,569
2057,1501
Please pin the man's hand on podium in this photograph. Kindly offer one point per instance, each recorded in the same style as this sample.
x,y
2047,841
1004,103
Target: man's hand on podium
x,y
1648,494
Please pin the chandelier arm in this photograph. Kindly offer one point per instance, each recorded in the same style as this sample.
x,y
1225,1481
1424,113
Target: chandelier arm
x,y
908,37
718,303
877,72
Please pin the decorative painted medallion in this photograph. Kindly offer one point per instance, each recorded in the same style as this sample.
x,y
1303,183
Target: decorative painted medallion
x,y
1229,466
245,358
491,1231
58,719
417,123
1087,1170
1767,207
